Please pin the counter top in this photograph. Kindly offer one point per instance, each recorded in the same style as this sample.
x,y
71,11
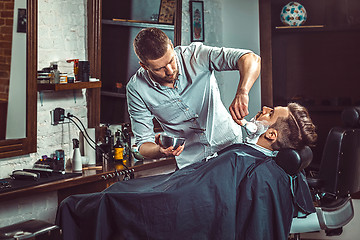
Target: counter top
x,y
107,175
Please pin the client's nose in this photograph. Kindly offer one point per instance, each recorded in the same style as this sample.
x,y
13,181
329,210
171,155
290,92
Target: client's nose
x,y
266,109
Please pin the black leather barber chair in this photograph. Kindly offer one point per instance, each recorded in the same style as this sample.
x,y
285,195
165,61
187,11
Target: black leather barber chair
x,y
337,178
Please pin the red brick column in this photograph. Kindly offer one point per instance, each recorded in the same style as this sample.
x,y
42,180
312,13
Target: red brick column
x,y
3,118
6,29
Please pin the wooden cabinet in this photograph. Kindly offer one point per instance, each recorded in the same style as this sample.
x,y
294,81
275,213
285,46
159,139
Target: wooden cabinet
x,y
118,64
119,22
315,65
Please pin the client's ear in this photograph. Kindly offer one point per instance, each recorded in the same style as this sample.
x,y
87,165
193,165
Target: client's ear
x,y
271,134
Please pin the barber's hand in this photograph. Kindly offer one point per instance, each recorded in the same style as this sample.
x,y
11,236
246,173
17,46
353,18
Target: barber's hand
x,y
170,150
239,107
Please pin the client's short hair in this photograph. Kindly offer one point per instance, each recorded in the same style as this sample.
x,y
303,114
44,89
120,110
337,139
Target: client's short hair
x,y
295,131
150,43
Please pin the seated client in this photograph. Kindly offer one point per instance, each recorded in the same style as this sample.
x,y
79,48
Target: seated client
x,y
239,194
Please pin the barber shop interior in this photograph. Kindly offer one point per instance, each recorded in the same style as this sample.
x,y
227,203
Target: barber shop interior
x,y
179,119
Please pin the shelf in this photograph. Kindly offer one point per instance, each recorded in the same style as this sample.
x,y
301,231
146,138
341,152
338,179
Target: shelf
x,y
300,27
67,86
113,94
316,28
139,24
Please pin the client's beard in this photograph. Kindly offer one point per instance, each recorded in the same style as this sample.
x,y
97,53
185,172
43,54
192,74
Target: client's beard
x,y
261,129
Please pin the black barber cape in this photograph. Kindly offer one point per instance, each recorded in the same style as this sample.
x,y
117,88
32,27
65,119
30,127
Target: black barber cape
x,y
241,194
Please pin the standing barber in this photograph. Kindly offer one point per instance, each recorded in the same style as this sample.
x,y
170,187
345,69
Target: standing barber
x,y
177,86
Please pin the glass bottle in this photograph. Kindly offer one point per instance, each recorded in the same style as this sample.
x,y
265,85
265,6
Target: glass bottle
x,y
55,74
118,148
127,144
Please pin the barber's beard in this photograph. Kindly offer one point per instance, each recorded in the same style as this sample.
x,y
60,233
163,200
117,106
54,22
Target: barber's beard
x,y
166,79
261,129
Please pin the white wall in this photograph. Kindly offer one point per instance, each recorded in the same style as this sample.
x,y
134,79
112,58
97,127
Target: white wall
x,y
240,29
212,23
61,35
229,23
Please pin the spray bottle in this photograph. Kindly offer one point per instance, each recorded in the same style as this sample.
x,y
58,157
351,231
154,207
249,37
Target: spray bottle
x,y
76,160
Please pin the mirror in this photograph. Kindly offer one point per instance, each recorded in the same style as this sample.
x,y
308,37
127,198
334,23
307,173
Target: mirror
x,y
13,72
25,141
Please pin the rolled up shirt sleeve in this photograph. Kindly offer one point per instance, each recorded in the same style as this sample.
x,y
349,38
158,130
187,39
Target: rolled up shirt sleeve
x,y
218,59
141,118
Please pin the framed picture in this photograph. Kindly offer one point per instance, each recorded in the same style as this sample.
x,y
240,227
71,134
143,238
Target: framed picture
x,y
21,21
167,11
197,21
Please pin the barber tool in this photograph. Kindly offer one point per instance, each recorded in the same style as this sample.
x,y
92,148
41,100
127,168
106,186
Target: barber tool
x,y
42,171
56,162
25,175
4,184
249,127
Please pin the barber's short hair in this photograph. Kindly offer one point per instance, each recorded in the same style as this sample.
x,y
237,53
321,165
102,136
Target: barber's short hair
x,y
150,43
295,131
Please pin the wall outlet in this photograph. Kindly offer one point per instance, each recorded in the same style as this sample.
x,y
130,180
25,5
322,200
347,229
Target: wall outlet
x,y
57,116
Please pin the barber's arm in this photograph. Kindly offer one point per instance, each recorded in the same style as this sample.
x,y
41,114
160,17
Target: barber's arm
x,y
154,150
249,68
143,128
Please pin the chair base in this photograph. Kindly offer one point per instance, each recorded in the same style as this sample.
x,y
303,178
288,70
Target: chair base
x,y
329,219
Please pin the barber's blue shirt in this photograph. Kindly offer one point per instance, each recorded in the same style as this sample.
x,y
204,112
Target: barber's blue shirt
x,y
192,109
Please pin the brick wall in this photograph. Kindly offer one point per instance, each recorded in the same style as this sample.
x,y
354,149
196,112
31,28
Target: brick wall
x,y
41,206
62,35
3,115
6,26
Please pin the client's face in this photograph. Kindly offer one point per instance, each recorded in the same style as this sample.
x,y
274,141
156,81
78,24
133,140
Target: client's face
x,y
269,116
261,128
264,119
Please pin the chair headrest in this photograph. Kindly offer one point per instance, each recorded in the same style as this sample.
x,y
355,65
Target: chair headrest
x,y
351,117
293,161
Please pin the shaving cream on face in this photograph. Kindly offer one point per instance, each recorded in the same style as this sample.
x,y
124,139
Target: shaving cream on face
x,y
254,136
250,127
